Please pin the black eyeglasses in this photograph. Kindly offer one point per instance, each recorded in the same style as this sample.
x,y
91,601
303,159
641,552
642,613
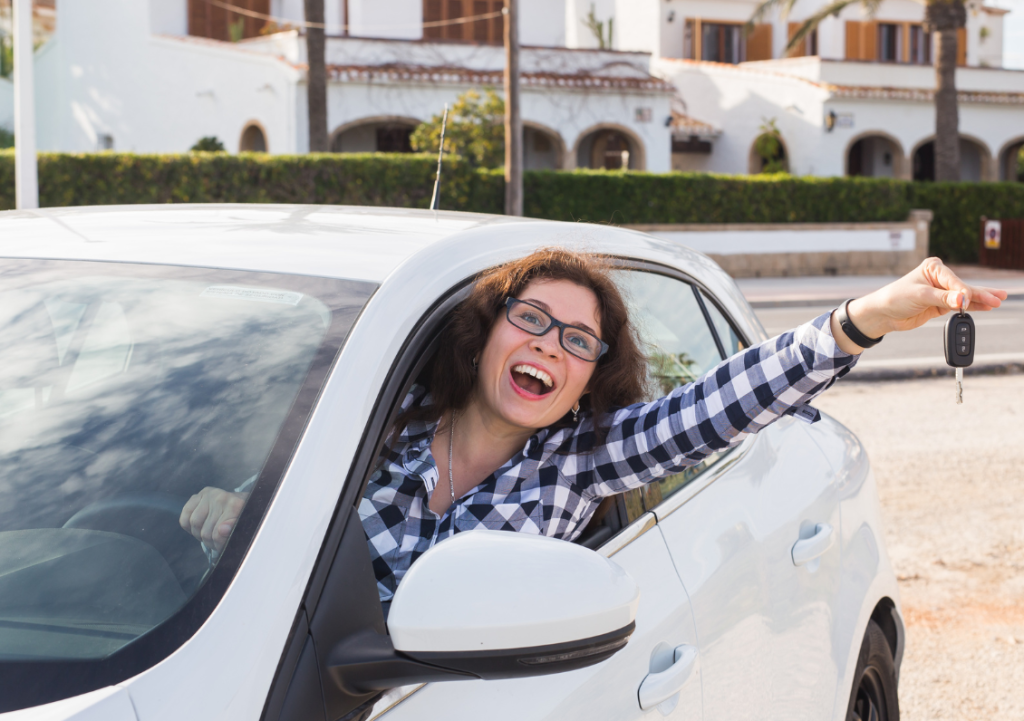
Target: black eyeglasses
x,y
581,343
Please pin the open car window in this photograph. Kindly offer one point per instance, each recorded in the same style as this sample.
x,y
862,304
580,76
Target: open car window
x,y
681,343
125,389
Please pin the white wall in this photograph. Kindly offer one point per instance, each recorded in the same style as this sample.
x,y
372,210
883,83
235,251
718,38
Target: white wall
x,y
988,51
638,25
577,35
166,17
542,22
387,18
154,94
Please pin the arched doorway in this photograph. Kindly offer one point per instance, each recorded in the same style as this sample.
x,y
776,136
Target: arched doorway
x,y
874,156
374,135
254,140
610,148
1011,161
975,161
543,149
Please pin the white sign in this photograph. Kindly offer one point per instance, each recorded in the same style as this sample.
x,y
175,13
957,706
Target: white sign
x,y
643,115
993,234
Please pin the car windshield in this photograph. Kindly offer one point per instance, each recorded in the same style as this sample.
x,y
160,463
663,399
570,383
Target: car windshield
x,y
125,389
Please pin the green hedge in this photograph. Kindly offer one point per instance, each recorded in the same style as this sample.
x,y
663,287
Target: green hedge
x,y
363,179
595,196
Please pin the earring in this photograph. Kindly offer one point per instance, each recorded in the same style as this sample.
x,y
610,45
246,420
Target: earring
x,y
476,362
575,412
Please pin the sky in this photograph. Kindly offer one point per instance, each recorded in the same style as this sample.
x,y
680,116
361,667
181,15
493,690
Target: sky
x,y
1013,32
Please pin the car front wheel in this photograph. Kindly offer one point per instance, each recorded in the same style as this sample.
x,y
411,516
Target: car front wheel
x,y
874,683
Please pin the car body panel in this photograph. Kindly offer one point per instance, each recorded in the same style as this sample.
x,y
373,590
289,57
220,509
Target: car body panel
x,y
225,670
607,690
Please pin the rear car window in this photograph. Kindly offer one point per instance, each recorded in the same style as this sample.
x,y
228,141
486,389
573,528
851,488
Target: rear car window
x,y
125,389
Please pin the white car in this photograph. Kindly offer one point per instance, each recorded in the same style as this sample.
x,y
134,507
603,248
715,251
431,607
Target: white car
x,y
147,352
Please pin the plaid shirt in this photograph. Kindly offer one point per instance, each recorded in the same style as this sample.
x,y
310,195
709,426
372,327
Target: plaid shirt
x,y
555,483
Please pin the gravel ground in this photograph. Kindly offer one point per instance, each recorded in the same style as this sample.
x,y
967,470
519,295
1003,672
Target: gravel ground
x,y
951,481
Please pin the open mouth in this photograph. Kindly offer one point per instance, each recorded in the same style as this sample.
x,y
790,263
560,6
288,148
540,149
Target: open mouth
x,y
532,380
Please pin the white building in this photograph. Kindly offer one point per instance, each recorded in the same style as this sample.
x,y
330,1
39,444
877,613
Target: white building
x,y
134,75
676,84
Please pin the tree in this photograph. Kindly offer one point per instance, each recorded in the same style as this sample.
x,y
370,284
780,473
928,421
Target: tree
x,y
944,17
476,130
316,87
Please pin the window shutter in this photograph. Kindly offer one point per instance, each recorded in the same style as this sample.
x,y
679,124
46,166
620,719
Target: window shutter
x,y
869,41
759,42
454,31
800,50
905,55
432,14
853,31
498,23
197,18
961,46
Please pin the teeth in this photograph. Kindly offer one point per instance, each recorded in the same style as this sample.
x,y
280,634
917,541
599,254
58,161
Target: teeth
x,y
536,373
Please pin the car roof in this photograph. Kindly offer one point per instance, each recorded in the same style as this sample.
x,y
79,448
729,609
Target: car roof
x,y
357,243
410,253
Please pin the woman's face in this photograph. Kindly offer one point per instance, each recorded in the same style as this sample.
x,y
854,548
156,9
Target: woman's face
x,y
531,381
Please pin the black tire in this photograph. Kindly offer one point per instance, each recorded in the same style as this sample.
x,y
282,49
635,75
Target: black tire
x,y
874,683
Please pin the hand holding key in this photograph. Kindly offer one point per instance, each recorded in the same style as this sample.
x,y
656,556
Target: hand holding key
x,y
929,291
958,344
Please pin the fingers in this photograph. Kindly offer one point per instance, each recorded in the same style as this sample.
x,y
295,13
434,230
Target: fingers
x,y
941,277
210,515
186,513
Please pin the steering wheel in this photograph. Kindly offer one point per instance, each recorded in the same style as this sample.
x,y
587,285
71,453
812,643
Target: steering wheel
x,y
152,518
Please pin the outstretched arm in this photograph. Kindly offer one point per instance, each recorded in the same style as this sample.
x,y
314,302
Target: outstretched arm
x,y
929,291
754,388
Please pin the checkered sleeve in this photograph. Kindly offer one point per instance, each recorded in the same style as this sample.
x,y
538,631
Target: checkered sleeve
x,y
742,395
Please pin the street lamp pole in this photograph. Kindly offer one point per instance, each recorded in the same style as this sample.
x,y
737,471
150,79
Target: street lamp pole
x,y
26,178
513,120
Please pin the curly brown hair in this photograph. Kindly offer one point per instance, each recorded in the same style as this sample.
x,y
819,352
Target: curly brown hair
x,y
620,377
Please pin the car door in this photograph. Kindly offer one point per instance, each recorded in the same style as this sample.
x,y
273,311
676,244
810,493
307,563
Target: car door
x,y
763,624
712,542
801,495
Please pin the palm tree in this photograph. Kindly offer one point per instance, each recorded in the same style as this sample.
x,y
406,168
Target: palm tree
x,y
944,17
316,87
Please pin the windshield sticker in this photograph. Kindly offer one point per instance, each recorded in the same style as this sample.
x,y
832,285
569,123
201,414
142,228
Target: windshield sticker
x,y
260,295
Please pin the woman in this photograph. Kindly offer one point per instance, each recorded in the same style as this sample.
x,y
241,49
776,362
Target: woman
x,y
530,413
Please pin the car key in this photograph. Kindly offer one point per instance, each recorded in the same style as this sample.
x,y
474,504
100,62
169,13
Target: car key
x,y
959,345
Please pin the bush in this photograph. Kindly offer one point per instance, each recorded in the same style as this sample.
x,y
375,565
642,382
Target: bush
x,y
208,144
623,198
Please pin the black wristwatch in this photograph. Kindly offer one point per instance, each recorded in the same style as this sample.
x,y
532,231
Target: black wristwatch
x,y
852,331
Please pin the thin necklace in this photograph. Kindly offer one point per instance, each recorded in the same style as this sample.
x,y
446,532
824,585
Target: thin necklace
x,y
451,443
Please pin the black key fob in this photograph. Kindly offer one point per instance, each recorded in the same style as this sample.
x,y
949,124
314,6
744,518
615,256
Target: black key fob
x,y
959,340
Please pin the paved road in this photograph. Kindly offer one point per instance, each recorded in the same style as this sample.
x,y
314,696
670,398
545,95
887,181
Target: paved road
x,y
1000,337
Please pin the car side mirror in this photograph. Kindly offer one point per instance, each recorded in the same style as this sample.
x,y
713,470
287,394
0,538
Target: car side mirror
x,y
494,605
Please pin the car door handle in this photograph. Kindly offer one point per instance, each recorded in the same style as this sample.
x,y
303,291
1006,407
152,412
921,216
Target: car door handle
x,y
808,549
657,688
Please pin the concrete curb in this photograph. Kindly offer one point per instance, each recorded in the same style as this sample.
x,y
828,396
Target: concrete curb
x,y
872,375
835,302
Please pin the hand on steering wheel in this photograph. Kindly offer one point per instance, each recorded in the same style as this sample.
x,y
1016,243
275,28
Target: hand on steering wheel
x,y
210,516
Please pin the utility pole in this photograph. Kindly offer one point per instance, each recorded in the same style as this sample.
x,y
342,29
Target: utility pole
x,y
316,86
26,176
513,120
